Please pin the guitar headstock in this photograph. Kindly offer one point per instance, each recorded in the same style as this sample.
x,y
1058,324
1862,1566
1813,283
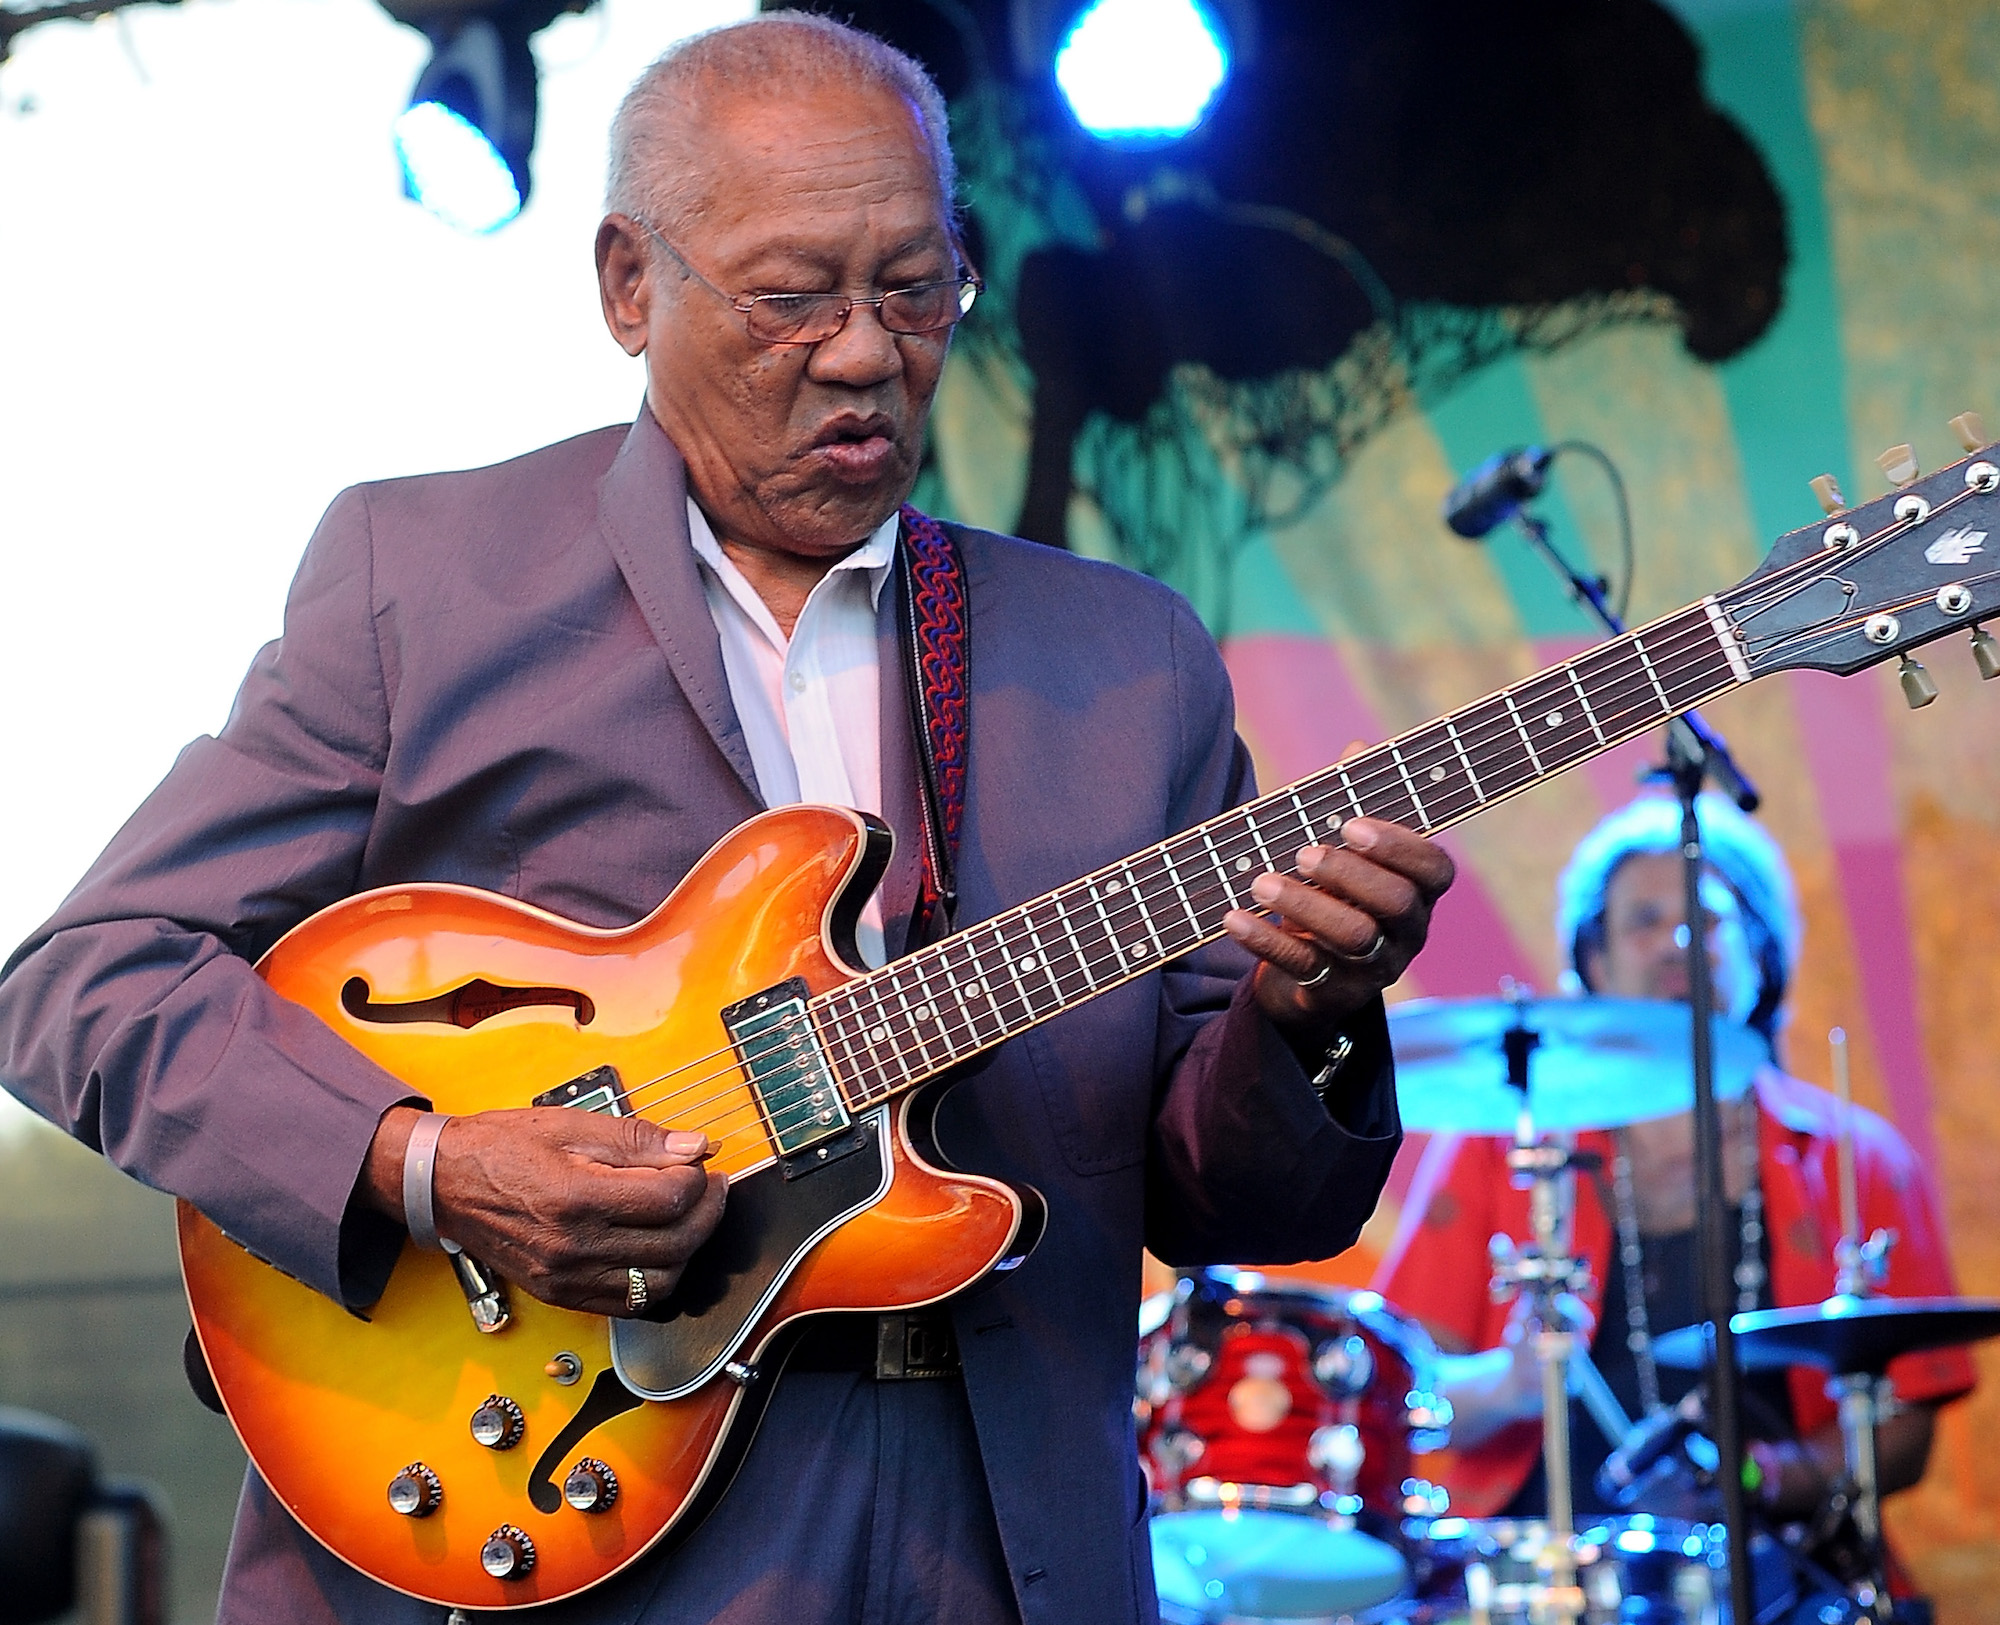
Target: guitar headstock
x,y
1882,578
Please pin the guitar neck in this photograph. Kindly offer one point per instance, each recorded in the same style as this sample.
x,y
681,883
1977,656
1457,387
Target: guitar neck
x,y
886,1032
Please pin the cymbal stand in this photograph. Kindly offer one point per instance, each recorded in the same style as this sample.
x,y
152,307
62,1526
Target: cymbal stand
x,y
1865,1400
1546,1269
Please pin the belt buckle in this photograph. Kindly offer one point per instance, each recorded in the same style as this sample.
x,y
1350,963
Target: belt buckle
x,y
910,1347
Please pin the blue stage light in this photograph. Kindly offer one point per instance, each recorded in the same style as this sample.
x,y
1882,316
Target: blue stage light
x,y
465,138
1142,72
453,170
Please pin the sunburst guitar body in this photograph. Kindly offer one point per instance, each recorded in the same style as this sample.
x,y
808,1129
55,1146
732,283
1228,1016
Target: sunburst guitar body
x,y
479,1002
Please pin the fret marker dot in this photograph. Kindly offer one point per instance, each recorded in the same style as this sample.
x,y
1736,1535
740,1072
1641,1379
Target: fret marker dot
x,y
1437,775
1112,885
1242,866
1028,962
972,990
1554,719
878,1035
922,1012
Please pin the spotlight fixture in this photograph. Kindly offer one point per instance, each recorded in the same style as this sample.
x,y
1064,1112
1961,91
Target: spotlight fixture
x,y
465,138
1142,72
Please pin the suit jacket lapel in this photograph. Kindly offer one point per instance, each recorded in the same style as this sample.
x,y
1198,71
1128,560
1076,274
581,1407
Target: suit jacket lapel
x,y
642,510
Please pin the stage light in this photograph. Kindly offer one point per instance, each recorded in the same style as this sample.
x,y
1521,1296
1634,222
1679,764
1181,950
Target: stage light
x,y
1142,72
465,138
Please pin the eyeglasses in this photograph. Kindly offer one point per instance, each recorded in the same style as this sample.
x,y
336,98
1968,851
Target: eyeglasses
x,y
808,318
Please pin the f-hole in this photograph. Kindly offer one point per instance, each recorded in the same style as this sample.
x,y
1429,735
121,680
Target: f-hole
x,y
464,1006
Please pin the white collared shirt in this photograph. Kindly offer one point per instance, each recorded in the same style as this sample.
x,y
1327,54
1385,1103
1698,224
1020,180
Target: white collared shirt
x,y
810,705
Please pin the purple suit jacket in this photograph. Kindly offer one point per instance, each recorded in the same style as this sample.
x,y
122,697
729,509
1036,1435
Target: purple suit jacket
x,y
508,678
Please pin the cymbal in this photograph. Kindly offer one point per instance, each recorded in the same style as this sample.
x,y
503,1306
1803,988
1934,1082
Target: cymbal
x,y
1844,1335
1601,1063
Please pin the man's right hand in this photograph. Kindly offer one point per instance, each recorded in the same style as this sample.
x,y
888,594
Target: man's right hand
x,y
560,1202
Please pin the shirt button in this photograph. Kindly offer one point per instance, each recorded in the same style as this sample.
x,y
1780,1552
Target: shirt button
x,y
798,682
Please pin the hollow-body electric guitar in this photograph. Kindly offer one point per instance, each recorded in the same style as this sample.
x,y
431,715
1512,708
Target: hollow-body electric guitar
x,y
469,1445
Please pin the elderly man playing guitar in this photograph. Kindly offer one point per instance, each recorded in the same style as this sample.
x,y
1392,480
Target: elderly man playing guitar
x,y
490,1350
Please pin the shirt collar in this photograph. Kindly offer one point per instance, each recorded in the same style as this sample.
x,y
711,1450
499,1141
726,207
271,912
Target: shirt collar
x,y
874,555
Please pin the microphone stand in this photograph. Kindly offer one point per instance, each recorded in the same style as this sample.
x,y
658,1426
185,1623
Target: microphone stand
x,y
1695,752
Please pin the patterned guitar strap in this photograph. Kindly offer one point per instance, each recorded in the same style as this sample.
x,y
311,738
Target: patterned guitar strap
x,y
936,627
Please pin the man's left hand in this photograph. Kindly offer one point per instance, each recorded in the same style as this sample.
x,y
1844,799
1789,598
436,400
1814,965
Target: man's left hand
x,y
1346,926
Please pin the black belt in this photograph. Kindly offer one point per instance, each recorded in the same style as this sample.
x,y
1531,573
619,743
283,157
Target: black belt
x,y
889,1348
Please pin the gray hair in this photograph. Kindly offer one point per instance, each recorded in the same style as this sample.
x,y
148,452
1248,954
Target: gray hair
x,y
776,52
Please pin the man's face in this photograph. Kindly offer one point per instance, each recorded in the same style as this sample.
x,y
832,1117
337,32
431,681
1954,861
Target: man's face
x,y
800,449
1645,937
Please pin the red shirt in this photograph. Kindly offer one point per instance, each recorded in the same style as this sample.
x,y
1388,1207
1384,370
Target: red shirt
x,y
1437,1270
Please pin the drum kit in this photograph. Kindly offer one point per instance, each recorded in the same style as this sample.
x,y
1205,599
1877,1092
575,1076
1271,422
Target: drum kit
x,y
1279,1422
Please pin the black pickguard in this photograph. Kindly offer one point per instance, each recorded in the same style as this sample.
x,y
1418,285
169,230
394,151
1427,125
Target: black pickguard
x,y
765,1226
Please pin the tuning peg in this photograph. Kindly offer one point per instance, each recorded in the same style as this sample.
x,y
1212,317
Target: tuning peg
x,y
1985,653
1899,463
1919,689
1827,489
1970,431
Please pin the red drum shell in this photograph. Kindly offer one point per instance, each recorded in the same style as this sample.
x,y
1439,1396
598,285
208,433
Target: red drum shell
x,y
1228,1390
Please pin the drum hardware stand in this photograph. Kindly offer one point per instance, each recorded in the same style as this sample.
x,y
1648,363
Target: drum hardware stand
x,y
1694,752
1546,1269
1860,1267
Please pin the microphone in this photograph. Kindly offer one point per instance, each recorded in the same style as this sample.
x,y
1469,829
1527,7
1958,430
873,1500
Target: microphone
x,y
1489,495
1648,1443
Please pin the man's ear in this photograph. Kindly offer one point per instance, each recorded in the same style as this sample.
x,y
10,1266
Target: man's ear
x,y
624,282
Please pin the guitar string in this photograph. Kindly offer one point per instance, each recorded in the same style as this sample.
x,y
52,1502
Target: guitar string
x,y
1368,776
1091,964
1135,902
1091,967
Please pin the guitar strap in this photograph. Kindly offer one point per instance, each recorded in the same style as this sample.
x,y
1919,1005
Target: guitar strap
x,y
936,627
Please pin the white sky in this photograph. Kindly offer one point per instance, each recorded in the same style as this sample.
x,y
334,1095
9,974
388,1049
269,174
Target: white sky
x,y
219,310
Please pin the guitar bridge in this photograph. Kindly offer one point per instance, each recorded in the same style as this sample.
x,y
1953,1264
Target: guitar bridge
x,y
780,1052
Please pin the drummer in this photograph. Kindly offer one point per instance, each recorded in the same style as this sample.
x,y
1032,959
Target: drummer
x,y
1621,928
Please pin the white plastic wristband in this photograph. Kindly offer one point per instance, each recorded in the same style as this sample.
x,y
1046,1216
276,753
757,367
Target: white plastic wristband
x,y
419,1167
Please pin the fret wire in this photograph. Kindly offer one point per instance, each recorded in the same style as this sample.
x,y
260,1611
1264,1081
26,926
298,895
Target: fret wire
x,y
1112,935
1180,887
1521,728
1471,777
1043,952
1645,660
1583,700
1066,919
1409,784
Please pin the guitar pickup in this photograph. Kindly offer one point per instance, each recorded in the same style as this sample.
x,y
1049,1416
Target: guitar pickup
x,y
780,1051
598,1090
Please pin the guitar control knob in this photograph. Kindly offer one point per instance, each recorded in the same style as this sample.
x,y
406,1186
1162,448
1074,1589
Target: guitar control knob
x,y
508,1553
415,1491
591,1486
498,1424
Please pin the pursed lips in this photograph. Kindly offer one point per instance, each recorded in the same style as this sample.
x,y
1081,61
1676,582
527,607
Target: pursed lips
x,y
854,446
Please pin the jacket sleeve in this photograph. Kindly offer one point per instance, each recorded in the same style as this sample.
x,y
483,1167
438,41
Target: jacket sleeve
x,y
134,1020
1246,1163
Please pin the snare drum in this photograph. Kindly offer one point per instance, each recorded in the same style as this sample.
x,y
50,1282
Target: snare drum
x,y
1282,1395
